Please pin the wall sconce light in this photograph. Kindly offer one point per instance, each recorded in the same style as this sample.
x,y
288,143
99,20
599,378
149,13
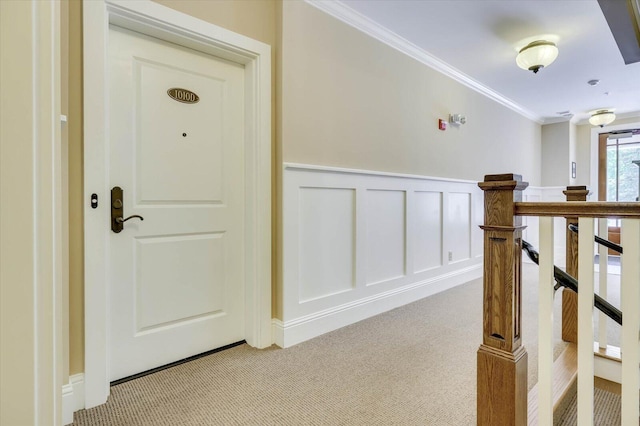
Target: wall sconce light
x,y
537,54
457,119
602,117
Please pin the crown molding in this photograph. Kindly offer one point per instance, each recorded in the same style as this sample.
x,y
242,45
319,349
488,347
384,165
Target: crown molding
x,y
346,14
554,120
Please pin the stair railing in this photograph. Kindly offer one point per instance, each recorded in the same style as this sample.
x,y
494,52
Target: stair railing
x,y
603,251
565,280
502,360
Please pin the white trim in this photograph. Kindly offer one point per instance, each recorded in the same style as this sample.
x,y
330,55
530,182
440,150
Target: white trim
x,y
67,404
165,23
315,167
595,132
277,331
349,16
72,397
289,333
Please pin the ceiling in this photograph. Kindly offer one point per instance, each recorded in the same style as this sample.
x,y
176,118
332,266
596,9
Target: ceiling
x,y
480,39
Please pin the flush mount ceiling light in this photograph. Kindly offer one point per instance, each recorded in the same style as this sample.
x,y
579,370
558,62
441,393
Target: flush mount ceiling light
x,y
537,54
602,117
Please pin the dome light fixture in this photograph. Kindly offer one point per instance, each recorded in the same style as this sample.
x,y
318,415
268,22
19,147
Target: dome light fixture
x,y
537,54
602,117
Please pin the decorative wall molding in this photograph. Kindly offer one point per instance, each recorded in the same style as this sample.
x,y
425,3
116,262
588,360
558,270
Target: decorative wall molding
x,y
359,242
346,14
72,397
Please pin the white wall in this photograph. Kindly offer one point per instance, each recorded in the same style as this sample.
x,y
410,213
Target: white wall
x,y
556,154
583,154
573,151
358,243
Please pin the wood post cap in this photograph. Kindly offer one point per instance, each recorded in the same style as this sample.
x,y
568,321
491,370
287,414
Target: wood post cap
x,y
505,181
577,193
503,177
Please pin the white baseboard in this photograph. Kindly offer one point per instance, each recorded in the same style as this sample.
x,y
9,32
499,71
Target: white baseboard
x,y
289,333
67,404
277,331
72,397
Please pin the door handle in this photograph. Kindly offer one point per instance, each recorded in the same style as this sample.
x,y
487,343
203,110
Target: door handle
x,y
133,216
117,210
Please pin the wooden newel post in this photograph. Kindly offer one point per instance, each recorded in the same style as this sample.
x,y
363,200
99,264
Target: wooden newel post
x,y
502,360
569,297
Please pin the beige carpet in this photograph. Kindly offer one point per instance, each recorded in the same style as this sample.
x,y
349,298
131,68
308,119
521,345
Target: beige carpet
x,y
415,365
607,410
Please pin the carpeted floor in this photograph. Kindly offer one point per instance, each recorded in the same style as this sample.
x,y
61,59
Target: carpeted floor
x,y
414,365
607,410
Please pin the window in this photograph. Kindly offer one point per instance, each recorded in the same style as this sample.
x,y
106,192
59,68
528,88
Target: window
x,y
622,168
622,173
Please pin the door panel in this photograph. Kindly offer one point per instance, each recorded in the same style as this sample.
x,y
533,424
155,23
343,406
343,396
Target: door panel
x,y
178,139
196,261
176,278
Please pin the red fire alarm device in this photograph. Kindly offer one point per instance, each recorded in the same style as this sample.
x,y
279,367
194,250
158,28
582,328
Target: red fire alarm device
x,y
442,125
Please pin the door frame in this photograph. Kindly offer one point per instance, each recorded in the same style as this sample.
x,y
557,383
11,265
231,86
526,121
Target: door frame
x,y
153,19
594,167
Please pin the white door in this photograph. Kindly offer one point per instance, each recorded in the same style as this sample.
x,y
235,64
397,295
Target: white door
x,y
176,278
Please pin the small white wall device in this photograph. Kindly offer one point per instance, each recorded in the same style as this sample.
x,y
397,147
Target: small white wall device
x,y
457,119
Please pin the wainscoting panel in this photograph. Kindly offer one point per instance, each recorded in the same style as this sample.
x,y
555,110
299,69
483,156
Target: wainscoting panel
x,y
385,212
459,226
327,242
357,243
427,230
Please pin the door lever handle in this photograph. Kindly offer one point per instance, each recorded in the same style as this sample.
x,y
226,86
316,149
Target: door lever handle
x,y
134,216
117,210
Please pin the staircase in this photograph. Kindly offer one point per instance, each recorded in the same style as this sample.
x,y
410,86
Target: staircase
x,y
565,375
502,360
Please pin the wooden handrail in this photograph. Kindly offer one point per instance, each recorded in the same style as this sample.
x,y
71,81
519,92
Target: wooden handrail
x,y
578,209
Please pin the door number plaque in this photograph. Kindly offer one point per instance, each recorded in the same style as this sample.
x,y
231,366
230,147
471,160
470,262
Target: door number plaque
x,y
183,95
